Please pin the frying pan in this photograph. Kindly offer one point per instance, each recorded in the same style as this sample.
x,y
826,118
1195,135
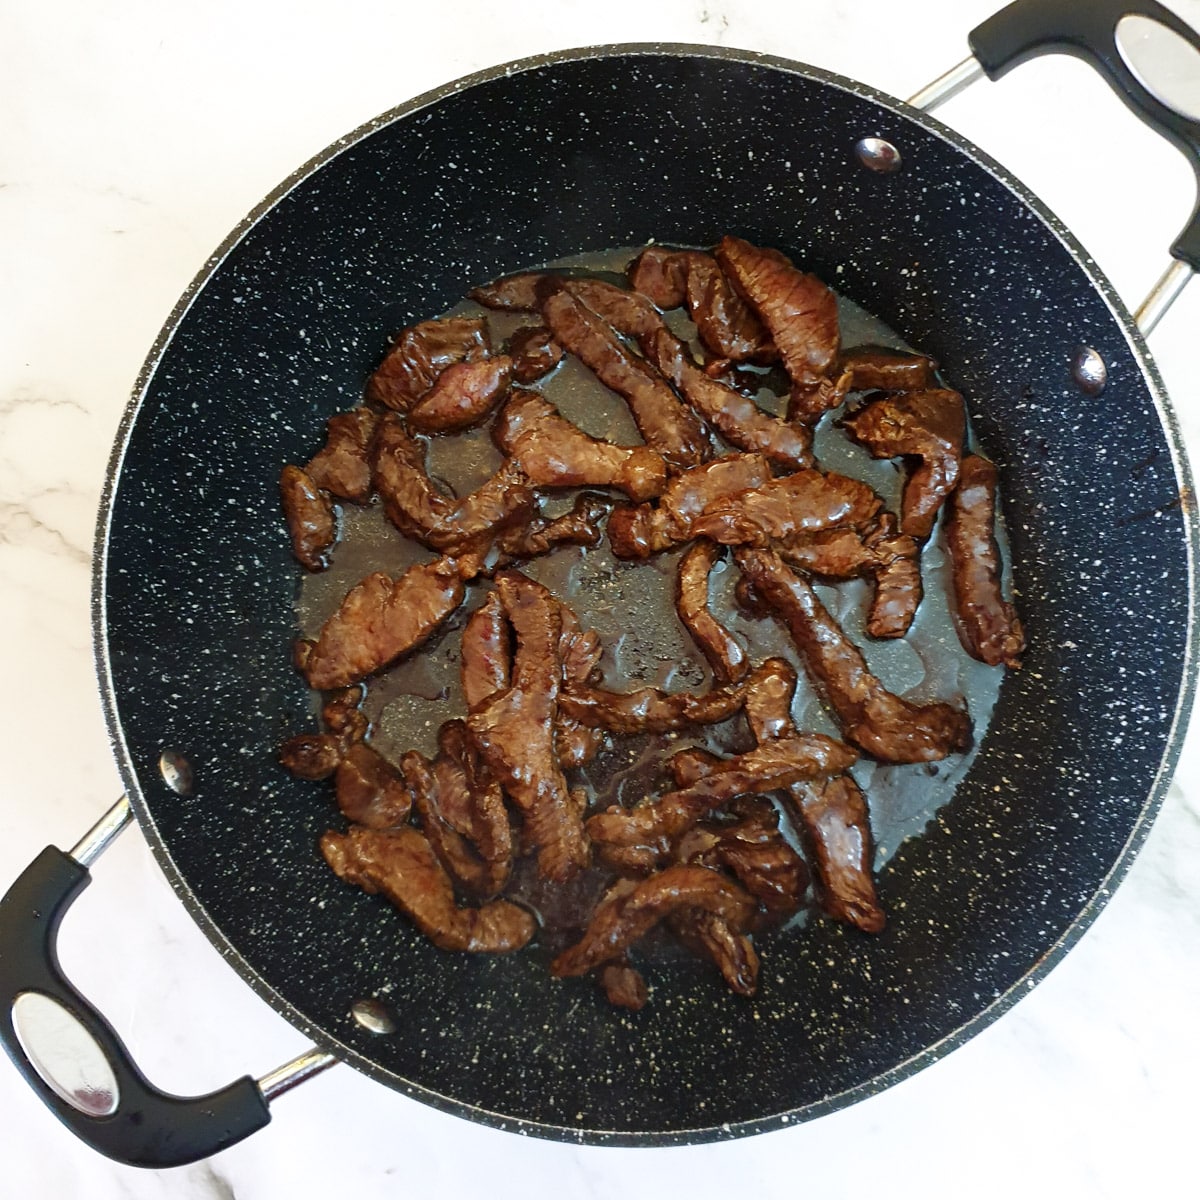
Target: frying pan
x,y
991,895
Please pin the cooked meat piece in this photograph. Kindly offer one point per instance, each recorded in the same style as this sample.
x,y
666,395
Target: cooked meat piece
x,y
343,465
885,726
444,783
660,275
471,801
688,766
419,355
654,824
663,421
629,313
579,527
343,716
486,653
708,935
418,509
638,532
891,558
382,618
624,986
310,520
724,652
579,651
463,395
619,922
874,367
769,701
789,507
988,626
514,729
534,353
553,452
928,425
370,791
798,310
650,710
514,293
311,755
832,816
401,864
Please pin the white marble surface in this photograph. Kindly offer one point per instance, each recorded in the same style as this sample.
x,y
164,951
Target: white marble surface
x,y
133,135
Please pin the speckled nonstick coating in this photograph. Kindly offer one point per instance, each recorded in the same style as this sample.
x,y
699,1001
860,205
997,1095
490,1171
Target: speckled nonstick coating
x,y
585,151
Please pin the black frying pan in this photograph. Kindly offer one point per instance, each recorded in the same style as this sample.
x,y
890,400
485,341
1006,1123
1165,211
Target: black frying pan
x,y
1083,741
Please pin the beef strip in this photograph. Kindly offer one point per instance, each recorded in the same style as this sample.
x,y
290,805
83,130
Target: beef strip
x,y
929,426
661,418
471,801
725,654
579,651
873,367
988,626
618,922
486,653
311,755
381,619
623,985
885,726
660,274
793,506
420,353
310,519
342,715
521,292
579,527
534,353
553,452
638,532
708,935
370,791
650,710
343,465
514,729
464,394
799,312
654,824
401,864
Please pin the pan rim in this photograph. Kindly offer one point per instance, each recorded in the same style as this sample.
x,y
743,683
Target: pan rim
x,y
885,1079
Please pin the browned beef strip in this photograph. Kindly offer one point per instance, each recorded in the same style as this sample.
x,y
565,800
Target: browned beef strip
x,y
708,935
624,986
554,452
381,619
618,922
929,426
638,532
729,661
798,310
655,824
343,465
463,395
832,817
311,755
420,353
579,527
668,427
478,812
506,501
514,729
486,653
650,710
513,293
342,715
988,626
401,864
884,725
660,274
789,507
310,520
688,766
579,651
370,791
874,367
534,353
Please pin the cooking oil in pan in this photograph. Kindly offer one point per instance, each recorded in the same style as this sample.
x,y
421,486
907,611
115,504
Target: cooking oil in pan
x,y
631,606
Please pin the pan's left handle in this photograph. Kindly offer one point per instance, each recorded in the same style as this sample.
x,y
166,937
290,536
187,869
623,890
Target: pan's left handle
x,y
71,1056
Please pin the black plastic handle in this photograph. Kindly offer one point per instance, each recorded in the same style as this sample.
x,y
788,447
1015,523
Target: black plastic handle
x,y
149,1128
1087,29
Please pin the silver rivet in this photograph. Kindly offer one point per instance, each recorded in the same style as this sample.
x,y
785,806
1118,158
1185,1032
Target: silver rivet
x,y
877,155
176,772
373,1016
1089,371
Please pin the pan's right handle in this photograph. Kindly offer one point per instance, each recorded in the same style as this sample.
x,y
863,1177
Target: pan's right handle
x,y
71,1056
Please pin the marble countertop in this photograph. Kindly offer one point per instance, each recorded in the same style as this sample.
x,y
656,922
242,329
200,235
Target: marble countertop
x,y
133,136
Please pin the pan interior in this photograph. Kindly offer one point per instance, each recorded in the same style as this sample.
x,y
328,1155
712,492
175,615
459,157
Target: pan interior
x,y
570,156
